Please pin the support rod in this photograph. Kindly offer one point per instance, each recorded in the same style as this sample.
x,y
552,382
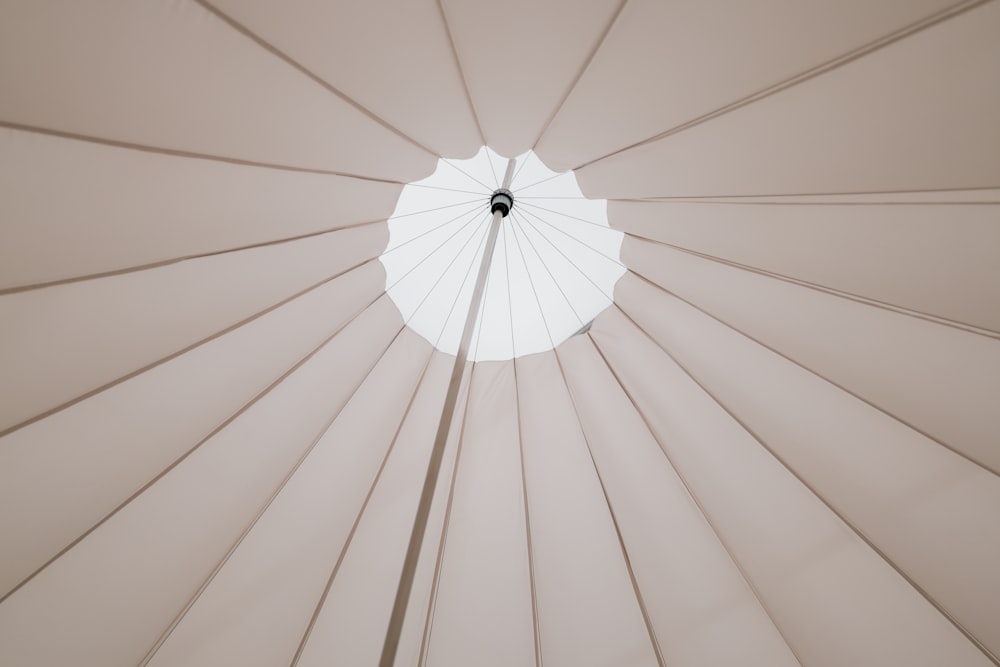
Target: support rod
x,y
392,634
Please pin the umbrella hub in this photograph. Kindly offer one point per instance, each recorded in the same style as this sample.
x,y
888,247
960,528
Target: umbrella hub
x,y
502,200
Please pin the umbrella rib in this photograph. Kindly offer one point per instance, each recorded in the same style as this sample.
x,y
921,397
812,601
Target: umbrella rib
x,y
544,180
478,200
823,68
176,260
572,263
463,214
554,196
614,520
901,310
571,217
447,269
510,302
579,74
364,505
532,588
580,241
281,55
521,167
461,287
246,531
461,71
681,200
421,262
438,187
534,291
446,522
184,350
694,498
439,560
817,374
439,556
791,470
721,199
520,435
246,406
496,179
551,277
489,190
482,313
159,150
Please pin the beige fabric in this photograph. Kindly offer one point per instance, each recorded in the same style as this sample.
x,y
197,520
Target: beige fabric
x,y
136,422
410,79
309,522
779,446
172,208
351,626
577,557
909,116
173,76
843,449
702,609
135,572
483,609
501,50
810,569
942,380
943,257
685,60
66,340
420,430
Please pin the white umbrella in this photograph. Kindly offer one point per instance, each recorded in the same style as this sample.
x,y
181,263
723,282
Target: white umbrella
x,y
778,445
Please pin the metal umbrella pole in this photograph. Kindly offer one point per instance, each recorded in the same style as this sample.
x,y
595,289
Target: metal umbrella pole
x,y
500,203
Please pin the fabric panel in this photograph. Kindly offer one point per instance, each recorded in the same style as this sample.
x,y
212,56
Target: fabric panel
x,y
588,614
936,259
254,612
351,626
898,119
172,75
60,475
810,569
110,597
515,89
391,56
928,510
483,610
716,55
940,379
75,208
63,341
702,610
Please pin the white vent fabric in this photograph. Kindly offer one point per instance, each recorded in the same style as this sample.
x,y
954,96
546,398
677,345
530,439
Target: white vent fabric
x,y
780,445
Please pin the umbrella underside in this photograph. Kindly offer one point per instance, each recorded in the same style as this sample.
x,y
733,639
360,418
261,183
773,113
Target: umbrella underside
x,y
736,395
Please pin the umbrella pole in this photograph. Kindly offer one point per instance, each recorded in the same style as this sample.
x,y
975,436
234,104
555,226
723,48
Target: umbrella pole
x,y
501,203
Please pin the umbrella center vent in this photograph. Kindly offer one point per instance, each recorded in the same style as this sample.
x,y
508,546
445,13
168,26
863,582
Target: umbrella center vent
x,y
553,268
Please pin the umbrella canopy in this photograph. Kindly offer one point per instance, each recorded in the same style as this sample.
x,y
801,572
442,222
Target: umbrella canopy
x,y
777,446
